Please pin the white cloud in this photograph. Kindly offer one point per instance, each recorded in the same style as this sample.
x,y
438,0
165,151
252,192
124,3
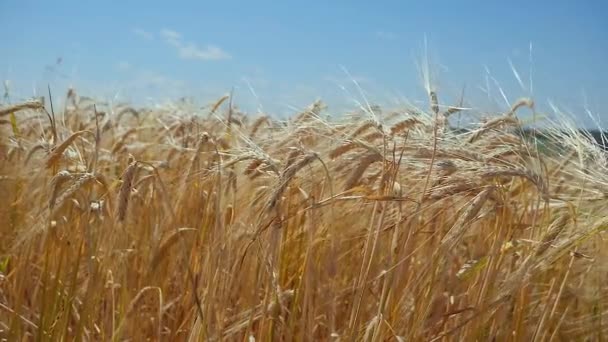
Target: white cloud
x,y
386,35
143,33
170,36
210,52
148,84
123,65
189,50
153,79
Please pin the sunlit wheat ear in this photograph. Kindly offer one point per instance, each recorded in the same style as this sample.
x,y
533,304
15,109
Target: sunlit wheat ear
x,y
291,157
364,127
434,101
534,178
252,166
453,188
370,327
492,124
235,121
119,329
203,139
287,175
552,233
166,245
446,167
278,307
523,102
81,181
218,103
504,140
340,150
452,153
452,110
125,189
222,143
441,123
312,111
362,164
177,128
523,273
33,105
72,97
228,215
255,126
33,150
127,110
404,125
465,220
371,137
57,152
56,182
231,182
121,142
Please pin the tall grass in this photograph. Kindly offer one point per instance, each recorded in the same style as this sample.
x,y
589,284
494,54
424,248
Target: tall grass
x,y
179,223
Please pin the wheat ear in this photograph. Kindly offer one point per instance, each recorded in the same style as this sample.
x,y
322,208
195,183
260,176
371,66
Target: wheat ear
x,y
364,162
287,175
58,151
125,189
81,181
59,179
34,105
464,221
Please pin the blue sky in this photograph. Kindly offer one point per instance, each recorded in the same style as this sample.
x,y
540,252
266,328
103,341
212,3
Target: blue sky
x,y
282,56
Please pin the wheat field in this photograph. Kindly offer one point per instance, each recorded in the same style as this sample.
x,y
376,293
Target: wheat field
x,y
182,223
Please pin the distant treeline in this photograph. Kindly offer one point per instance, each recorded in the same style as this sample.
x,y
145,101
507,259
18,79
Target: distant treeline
x,y
529,133
595,134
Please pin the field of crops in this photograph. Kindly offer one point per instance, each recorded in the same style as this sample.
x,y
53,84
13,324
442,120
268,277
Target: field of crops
x,y
187,223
